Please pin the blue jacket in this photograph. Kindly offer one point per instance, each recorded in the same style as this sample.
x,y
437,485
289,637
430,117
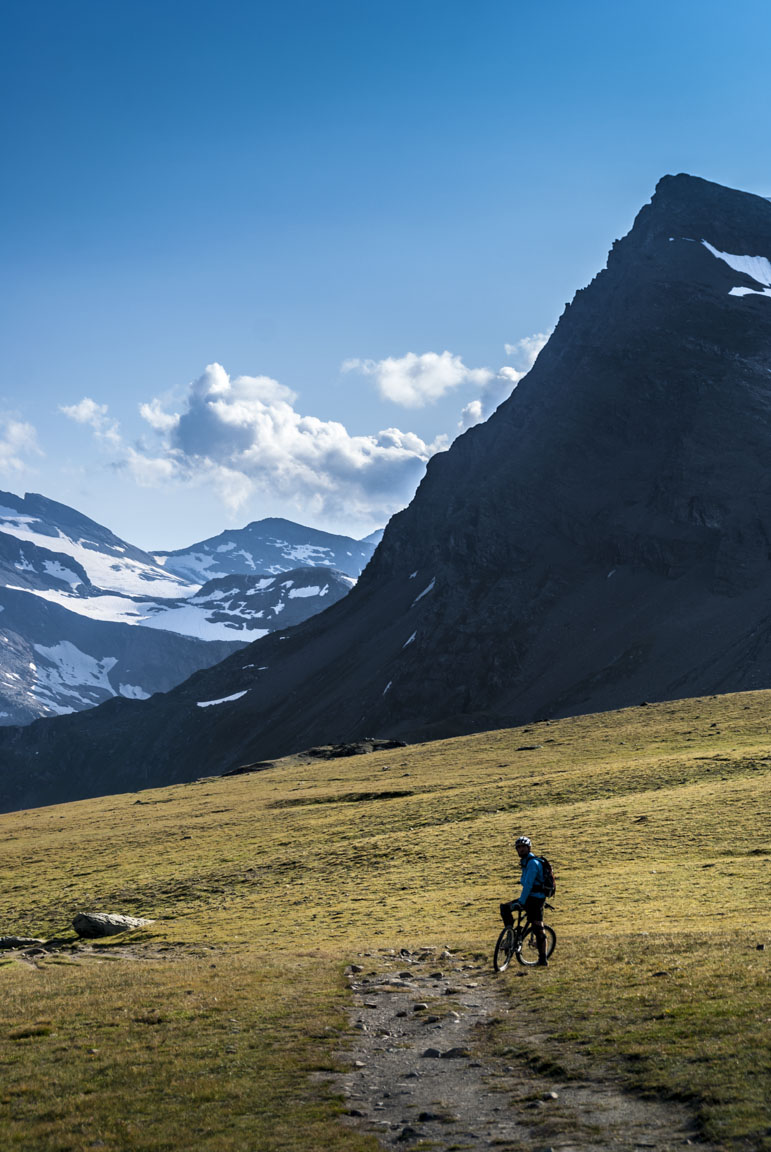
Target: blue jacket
x,y
532,879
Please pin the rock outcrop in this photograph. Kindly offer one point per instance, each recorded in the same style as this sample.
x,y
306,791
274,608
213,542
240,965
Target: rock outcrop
x,y
92,925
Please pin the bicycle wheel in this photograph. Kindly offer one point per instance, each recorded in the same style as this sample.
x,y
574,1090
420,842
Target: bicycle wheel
x,y
504,950
528,953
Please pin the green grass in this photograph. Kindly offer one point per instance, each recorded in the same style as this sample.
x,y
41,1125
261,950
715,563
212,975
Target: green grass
x,y
204,1029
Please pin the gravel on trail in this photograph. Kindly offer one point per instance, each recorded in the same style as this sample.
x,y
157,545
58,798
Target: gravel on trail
x,y
421,1076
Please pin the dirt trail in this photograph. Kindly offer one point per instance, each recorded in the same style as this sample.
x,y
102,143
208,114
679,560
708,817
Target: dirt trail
x,y
421,1078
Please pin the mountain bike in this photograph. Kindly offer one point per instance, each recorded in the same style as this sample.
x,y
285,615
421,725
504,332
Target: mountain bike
x,y
520,940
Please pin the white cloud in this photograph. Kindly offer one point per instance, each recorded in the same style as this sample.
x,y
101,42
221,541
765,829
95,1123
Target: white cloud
x,y
499,388
87,411
415,381
17,441
242,436
157,418
526,350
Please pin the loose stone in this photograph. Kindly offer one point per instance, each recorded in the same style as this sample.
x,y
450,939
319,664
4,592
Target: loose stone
x,y
93,924
19,941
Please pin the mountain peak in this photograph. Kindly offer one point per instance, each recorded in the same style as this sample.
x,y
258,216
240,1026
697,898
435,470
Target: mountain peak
x,y
689,207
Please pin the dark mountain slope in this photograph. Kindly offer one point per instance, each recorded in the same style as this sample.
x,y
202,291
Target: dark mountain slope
x,y
604,538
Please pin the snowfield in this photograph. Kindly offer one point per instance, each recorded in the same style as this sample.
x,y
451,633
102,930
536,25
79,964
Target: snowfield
x,y
758,268
113,573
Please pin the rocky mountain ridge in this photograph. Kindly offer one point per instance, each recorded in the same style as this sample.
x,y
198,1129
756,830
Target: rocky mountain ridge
x,y
268,546
604,538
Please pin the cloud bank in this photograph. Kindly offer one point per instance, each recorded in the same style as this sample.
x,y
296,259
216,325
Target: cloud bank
x,y
243,435
417,380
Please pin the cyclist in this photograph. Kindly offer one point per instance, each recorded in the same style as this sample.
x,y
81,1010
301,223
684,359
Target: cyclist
x,y
531,898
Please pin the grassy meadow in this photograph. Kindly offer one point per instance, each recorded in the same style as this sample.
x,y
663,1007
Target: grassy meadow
x,y
204,1030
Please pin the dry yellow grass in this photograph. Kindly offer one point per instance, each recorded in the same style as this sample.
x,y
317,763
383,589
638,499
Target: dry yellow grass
x,y
264,886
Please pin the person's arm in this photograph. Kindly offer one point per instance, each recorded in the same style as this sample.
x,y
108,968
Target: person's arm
x,y
528,879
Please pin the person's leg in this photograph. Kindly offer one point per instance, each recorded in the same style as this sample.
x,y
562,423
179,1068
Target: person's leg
x,y
535,912
506,915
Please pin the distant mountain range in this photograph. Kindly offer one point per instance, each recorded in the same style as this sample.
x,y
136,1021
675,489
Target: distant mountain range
x,y
602,540
268,546
85,616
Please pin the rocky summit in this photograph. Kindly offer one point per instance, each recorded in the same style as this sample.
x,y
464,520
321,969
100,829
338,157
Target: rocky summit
x,y
603,539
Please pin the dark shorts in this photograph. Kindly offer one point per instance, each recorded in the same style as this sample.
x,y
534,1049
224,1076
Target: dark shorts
x,y
534,908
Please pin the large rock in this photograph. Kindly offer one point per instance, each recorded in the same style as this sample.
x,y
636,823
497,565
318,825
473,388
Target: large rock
x,y
93,924
10,942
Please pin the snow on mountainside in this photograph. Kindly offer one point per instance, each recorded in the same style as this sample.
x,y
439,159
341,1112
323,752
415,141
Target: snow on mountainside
x,y
248,607
53,662
268,546
85,616
110,563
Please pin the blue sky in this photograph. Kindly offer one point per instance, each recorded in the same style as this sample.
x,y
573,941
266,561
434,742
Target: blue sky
x,y
264,259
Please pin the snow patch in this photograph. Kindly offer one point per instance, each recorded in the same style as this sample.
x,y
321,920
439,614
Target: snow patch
x,y
59,572
312,591
758,268
408,642
425,592
311,553
12,514
195,563
133,692
265,582
750,292
71,673
104,569
223,700
387,687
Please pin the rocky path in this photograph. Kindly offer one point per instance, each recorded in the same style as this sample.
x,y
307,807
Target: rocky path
x,y
420,1076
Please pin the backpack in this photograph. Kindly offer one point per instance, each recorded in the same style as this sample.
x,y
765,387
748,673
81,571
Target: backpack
x,y
549,879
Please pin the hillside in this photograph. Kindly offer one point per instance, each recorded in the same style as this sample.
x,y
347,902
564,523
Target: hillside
x,y
602,539
210,1029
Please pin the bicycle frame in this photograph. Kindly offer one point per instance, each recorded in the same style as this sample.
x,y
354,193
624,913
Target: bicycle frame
x,y
524,923
512,940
